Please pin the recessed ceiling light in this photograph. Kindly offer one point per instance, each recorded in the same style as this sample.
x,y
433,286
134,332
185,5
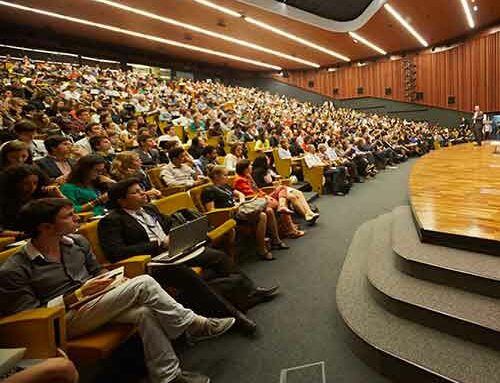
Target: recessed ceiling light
x,y
274,30
369,44
144,36
468,13
206,32
405,24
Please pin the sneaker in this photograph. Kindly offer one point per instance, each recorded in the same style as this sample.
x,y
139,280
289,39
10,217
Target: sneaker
x,y
191,377
207,328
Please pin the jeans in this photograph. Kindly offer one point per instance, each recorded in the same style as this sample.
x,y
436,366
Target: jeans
x,y
140,301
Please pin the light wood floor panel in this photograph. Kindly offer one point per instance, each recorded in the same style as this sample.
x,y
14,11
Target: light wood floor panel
x,y
455,191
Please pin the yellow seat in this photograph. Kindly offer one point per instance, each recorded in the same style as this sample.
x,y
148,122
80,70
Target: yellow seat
x,y
152,118
4,241
157,182
251,153
43,330
283,166
314,176
220,160
179,201
213,141
179,131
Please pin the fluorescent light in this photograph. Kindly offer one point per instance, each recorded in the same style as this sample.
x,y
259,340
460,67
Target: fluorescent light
x,y
274,30
332,69
361,64
405,24
367,43
296,38
38,50
140,35
468,13
206,32
100,60
139,66
227,11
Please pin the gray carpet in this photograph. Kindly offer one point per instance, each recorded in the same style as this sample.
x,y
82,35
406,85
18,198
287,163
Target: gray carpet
x,y
302,325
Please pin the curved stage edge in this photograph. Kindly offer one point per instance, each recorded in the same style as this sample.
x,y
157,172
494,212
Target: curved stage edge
x,y
454,194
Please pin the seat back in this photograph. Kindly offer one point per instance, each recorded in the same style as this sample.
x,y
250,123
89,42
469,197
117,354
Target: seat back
x,y
154,177
174,202
213,141
314,176
195,194
251,153
89,231
283,167
179,132
4,255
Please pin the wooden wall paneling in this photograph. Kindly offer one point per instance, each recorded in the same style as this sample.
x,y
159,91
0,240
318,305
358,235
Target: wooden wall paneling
x,y
469,72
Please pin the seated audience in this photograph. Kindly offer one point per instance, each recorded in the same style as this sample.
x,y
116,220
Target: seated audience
x,y
277,200
264,176
220,195
25,131
51,223
82,146
234,156
57,164
134,227
13,153
149,155
86,185
177,172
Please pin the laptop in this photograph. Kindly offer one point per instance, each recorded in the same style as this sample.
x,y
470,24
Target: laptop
x,y
186,241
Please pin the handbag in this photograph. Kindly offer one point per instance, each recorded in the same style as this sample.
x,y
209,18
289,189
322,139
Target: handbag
x,y
249,211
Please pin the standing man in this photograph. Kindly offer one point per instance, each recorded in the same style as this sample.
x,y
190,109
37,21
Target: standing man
x,y
477,124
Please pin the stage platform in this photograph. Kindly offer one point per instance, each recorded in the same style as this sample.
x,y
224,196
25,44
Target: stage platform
x,y
455,197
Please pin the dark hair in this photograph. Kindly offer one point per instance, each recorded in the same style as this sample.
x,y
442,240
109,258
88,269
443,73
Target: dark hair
x,y
175,152
241,166
82,168
53,142
235,146
96,141
261,162
79,112
89,127
141,138
207,150
119,190
9,147
14,175
25,126
38,211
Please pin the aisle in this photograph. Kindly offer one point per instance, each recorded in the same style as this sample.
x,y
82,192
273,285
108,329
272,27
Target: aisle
x,y
302,326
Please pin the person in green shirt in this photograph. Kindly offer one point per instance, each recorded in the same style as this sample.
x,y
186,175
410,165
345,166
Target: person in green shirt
x,y
86,183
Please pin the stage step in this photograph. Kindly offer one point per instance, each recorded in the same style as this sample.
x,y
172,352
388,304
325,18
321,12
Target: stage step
x,y
404,350
462,313
310,196
476,272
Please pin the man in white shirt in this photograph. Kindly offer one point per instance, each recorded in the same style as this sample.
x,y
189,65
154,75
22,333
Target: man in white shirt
x,y
82,147
177,172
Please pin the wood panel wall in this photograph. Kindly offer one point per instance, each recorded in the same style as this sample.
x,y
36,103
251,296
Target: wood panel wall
x,y
469,72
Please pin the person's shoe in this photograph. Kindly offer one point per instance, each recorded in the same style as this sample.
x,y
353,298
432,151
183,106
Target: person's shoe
x,y
311,220
279,246
263,292
207,328
284,210
191,377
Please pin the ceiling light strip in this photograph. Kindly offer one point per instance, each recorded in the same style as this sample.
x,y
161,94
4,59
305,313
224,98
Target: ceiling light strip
x,y
140,35
38,50
405,24
274,30
468,14
100,60
296,38
227,11
367,43
206,32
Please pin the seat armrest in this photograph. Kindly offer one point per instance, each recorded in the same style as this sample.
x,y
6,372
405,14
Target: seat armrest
x,y
42,331
221,230
217,217
134,266
268,189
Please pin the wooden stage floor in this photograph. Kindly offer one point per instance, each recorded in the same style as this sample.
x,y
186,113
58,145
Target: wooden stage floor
x,y
455,197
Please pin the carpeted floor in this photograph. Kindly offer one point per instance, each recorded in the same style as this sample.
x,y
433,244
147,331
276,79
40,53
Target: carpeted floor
x,y
302,325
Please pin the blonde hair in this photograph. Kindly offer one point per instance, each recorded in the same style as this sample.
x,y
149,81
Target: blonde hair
x,y
215,170
122,166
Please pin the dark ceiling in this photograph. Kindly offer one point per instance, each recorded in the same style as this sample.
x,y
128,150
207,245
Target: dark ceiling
x,y
338,10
